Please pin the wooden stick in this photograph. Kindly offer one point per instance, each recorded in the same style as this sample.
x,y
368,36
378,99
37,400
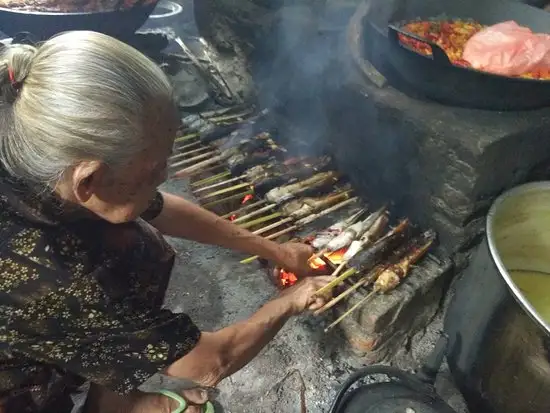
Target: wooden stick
x,y
231,117
260,220
193,159
210,179
301,223
229,198
212,168
254,213
187,137
185,147
335,282
339,268
351,310
186,154
225,190
244,208
216,185
341,296
274,225
198,167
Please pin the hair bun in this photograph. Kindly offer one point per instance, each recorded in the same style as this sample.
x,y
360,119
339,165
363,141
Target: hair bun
x,y
15,65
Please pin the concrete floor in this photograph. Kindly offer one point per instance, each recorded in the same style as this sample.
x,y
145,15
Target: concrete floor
x,y
302,365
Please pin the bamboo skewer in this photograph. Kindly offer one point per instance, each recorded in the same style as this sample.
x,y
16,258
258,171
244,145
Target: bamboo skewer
x,y
198,167
352,309
199,171
260,220
187,137
254,213
335,282
234,116
193,159
244,208
302,222
341,296
229,198
217,184
187,146
224,191
185,154
210,179
274,225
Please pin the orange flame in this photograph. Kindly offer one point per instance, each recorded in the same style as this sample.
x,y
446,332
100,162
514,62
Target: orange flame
x,y
287,279
247,198
233,217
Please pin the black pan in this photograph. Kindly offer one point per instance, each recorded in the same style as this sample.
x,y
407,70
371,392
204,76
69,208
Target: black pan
x,y
42,25
435,77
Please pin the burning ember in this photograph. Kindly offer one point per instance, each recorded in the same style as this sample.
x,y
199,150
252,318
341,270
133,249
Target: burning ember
x,y
247,198
287,278
233,217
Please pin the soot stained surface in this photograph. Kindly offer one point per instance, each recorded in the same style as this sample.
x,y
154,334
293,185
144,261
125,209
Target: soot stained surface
x,y
302,364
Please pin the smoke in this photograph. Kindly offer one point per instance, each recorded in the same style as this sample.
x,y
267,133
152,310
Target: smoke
x,y
295,68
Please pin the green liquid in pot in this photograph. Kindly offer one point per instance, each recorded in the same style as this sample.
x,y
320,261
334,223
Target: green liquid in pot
x,y
536,288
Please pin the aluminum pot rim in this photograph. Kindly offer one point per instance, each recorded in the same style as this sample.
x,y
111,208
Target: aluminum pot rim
x,y
495,256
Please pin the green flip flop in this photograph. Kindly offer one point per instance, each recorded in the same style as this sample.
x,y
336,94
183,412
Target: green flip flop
x,y
208,407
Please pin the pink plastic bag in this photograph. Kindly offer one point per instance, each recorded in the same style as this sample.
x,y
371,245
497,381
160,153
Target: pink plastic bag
x,y
508,49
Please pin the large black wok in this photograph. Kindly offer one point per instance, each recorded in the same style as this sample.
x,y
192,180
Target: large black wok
x,y
436,77
118,23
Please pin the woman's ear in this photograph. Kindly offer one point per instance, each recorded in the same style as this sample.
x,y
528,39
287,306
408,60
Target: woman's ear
x,y
86,179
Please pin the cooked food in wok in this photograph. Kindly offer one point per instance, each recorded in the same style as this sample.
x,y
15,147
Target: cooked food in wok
x,y
451,36
71,6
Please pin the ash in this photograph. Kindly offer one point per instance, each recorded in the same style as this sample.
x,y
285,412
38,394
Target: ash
x,y
301,369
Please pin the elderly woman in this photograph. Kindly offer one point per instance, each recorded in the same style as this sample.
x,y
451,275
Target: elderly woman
x,y
87,125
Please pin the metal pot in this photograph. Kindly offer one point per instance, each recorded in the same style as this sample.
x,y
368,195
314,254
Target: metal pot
x,y
499,344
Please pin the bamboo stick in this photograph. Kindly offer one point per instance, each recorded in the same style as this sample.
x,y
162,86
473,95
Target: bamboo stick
x,y
187,137
304,221
244,208
199,171
351,310
225,118
260,220
274,225
217,184
335,282
210,179
193,159
254,213
225,190
187,146
198,167
184,154
229,198
341,296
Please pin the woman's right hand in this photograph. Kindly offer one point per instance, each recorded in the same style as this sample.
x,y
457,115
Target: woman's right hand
x,y
300,297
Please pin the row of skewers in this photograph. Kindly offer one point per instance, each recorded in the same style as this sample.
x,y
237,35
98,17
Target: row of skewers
x,y
360,250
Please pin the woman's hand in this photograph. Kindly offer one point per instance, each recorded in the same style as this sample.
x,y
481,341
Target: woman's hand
x,y
294,257
300,297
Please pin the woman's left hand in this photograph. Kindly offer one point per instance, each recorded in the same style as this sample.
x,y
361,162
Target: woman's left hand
x,y
295,257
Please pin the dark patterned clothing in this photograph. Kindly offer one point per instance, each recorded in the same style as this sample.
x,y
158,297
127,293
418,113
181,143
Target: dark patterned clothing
x,y
80,299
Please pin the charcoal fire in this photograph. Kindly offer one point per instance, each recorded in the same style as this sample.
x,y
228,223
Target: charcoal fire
x,y
286,195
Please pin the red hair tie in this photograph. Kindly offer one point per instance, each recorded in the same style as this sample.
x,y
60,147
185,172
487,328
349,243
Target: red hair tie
x,y
11,76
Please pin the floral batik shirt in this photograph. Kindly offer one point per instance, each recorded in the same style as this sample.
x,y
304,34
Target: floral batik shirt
x,y
80,300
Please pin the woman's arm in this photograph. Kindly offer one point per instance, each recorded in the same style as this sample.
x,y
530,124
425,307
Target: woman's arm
x,y
222,353
183,219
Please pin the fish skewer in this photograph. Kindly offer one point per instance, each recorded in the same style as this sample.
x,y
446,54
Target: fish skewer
x,y
303,222
391,277
180,155
186,146
193,159
350,234
323,237
369,256
378,222
300,208
303,211
287,192
371,277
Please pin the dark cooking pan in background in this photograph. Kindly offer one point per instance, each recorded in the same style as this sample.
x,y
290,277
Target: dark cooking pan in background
x,y
119,23
435,77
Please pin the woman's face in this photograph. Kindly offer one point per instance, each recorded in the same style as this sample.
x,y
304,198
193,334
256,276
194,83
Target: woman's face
x,y
123,195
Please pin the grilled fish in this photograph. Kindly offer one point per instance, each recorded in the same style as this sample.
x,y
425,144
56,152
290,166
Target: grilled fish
x,y
287,192
323,237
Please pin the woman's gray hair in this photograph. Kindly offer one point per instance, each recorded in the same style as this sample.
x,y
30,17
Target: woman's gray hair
x,y
79,96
